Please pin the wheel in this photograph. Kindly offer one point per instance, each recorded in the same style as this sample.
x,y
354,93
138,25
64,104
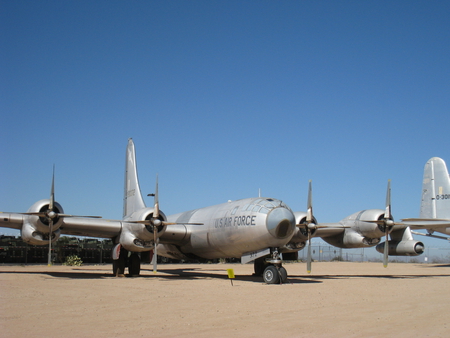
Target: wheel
x,y
259,266
271,275
283,274
119,267
134,265
120,263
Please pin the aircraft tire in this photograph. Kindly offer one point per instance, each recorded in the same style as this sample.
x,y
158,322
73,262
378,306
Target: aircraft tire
x,y
283,274
119,267
271,275
134,265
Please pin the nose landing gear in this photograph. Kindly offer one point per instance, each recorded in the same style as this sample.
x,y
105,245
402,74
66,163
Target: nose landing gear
x,y
271,268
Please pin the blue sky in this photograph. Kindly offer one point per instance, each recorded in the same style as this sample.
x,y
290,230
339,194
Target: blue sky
x,y
223,98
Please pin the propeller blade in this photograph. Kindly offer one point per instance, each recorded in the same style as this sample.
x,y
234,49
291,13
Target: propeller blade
x,y
387,221
308,261
386,249
52,191
66,215
156,211
149,222
387,212
309,215
50,223
50,226
155,252
155,229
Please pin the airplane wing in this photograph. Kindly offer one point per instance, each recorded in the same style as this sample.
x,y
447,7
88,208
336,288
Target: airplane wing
x,y
427,223
77,226
91,227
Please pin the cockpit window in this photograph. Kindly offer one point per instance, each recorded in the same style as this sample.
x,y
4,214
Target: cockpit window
x,y
264,205
256,208
264,210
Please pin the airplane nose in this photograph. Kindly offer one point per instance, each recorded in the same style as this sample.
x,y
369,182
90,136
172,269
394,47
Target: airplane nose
x,y
280,222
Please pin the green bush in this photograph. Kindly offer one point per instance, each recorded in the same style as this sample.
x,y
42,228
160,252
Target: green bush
x,y
73,260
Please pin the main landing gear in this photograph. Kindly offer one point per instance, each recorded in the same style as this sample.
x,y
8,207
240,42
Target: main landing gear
x,y
133,262
271,268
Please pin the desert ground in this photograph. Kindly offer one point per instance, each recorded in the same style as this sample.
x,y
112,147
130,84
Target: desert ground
x,y
337,299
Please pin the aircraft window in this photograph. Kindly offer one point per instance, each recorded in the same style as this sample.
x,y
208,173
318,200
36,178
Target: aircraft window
x,y
256,208
269,199
269,205
246,207
258,201
264,210
234,210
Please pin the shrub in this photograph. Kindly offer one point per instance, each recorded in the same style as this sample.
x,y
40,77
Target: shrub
x,y
73,260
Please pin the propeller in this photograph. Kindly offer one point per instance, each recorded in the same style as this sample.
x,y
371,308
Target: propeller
x,y
155,222
51,214
387,222
309,225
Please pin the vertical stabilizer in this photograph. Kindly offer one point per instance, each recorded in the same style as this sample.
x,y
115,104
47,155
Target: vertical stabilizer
x,y
132,199
435,190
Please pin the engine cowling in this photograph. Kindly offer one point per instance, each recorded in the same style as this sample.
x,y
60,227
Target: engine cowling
x,y
402,248
138,237
298,241
351,239
366,229
35,229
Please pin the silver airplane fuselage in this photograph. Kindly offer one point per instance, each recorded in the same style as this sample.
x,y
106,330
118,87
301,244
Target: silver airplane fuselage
x,y
230,229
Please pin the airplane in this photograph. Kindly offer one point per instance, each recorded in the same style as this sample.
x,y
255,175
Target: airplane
x,y
261,230
435,204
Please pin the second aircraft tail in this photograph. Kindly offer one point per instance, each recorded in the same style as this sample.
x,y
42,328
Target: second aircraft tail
x,y
435,190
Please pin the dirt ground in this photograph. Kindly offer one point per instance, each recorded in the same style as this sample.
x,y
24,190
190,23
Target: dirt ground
x,y
338,299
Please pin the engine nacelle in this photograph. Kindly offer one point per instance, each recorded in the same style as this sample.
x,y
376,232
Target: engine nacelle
x,y
139,237
351,239
35,229
402,248
32,236
366,229
298,241
41,224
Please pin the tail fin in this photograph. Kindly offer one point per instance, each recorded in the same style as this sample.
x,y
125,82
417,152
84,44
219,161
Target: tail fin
x,y
132,199
435,190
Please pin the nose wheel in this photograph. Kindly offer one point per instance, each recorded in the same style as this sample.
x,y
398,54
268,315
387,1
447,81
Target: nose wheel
x,y
272,270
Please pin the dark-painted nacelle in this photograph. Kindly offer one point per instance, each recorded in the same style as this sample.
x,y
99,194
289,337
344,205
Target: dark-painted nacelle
x,y
402,248
35,229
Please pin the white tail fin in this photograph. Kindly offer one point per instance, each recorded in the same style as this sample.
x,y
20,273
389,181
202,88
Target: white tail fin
x,y
435,190
132,199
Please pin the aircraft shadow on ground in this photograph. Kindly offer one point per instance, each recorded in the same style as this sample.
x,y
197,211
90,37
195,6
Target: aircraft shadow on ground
x,y
197,273
200,273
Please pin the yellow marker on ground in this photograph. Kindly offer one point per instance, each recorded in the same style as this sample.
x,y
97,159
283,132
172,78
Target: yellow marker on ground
x,y
230,275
